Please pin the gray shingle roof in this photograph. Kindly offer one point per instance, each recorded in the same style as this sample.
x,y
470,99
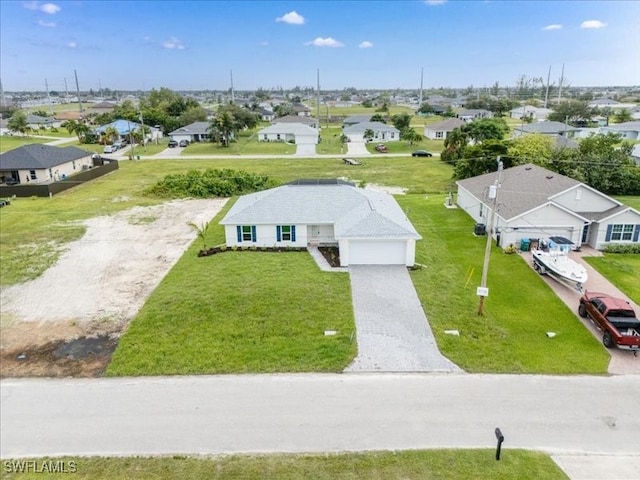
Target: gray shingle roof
x,y
375,126
546,128
289,128
195,128
38,156
357,119
523,188
597,216
446,125
295,119
353,212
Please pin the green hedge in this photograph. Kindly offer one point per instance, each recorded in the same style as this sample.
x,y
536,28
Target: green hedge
x,y
622,248
209,183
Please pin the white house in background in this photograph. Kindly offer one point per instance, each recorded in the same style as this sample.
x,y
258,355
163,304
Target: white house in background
x,y
527,111
301,110
266,115
367,226
381,132
470,115
635,153
38,163
194,132
628,130
441,130
537,203
308,121
297,133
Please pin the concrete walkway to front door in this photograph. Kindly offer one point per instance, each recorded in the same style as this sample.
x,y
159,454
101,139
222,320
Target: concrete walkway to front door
x,y
392,330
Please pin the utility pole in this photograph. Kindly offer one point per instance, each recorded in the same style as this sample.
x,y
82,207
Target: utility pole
x,y
46,86
482,290
232,96
66,90
560,88
421,84
318,99
3,100
546,94
78,89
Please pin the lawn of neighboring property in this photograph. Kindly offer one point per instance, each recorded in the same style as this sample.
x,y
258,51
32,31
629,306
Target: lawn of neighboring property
x,y
433,146
10,142
409,465
520,309
240,312
246,144
623,270
632,201
331,141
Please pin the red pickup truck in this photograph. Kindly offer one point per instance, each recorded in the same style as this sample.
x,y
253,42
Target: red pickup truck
x,y
614,317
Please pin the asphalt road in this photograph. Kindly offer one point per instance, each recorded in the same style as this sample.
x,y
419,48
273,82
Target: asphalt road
x,y
314,413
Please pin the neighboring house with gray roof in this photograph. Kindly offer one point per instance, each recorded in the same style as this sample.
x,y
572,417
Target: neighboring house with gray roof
x,y
38,163
528,111
36,121
353,119
545,128
534,202
309,121
381,132
194,132
628,130
369,227
441,130
297,133
472,114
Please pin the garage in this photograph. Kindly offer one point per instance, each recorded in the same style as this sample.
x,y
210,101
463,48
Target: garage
x,y
377,252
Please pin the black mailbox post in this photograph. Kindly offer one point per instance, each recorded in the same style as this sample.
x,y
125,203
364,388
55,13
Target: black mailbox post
x,y
500,438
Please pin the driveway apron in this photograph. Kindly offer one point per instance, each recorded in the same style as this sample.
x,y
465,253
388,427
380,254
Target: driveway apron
x,y
306,149
392,330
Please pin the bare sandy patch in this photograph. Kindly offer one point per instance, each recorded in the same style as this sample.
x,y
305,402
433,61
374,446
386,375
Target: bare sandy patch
x,y
83,302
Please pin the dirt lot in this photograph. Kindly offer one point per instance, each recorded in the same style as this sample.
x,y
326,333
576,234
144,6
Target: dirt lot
x,y
67,321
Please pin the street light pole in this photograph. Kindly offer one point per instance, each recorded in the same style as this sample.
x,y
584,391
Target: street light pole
x,y
483,291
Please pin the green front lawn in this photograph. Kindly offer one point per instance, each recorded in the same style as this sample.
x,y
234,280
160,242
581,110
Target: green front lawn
x,y
331,143
408,465
433,146
520,309
10,142
240,312
623,270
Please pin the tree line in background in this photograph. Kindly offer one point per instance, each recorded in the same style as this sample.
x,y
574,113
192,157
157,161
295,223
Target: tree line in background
x,y
603,162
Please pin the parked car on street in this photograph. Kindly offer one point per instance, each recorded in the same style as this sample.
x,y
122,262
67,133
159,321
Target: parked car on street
x,y
118,145
421,153
382,148
173,144
110,149
183,143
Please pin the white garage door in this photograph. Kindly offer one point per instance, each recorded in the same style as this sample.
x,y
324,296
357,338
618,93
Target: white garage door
x,y
392,252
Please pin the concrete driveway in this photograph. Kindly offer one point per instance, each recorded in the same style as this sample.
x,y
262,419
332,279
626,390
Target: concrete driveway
x,y
357,146
306,149
622,362
392,329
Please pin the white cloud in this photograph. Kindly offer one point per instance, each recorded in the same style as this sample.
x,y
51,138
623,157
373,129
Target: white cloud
x,y
72,44
593,24
435,2
365,44
553,26
292,18
173,44
42,23
325,42
50,8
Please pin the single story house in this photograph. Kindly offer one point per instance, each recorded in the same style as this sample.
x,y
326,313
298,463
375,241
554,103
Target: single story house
x,y
123,127
473,114
441,130
367,226
545,128
628,130
435,110
39,163
35,122
69,115
353,119
194,132
301,110
534,202
635,153
308,121
297,133
102,107
266,115
527,111
381,132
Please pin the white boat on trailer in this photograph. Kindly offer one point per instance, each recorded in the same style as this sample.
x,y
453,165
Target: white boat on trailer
x,y
559,266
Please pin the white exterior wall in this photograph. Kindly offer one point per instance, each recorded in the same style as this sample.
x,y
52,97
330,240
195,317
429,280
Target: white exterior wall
x,y
179,138
584,199
470,204
321,234
598,233
376,252
547,221
306,139
66,169
266,236
433,134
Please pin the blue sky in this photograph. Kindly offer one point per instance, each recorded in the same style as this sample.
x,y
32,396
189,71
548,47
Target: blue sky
x,y
193,45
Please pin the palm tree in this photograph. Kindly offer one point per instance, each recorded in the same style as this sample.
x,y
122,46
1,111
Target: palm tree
x,y
368,134
112,134
71,126
223,126
411,135
81,131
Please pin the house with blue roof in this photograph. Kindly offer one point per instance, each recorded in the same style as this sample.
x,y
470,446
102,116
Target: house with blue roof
x,y
367,226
